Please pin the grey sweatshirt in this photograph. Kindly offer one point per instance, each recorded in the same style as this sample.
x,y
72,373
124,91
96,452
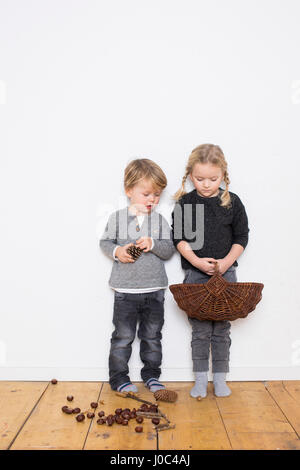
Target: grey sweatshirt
x,y
148,270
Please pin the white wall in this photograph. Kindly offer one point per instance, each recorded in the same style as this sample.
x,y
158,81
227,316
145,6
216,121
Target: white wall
x,y
86,86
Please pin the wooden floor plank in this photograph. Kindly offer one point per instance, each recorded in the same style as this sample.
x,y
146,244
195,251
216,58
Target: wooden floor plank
x,y
118,437
265,440
287,396
252,419
17,399
49,428
198,423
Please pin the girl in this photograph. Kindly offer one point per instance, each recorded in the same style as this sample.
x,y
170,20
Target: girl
x,y
221,235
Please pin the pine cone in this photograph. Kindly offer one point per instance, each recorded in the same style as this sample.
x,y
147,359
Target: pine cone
x,y
134,251
165,395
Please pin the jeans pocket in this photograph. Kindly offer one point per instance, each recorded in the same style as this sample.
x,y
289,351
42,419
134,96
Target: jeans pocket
x,y
160,295
187,275
230,274
120,295
231,268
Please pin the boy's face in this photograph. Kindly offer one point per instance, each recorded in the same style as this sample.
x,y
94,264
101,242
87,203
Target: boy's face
x,y
143,196
206,178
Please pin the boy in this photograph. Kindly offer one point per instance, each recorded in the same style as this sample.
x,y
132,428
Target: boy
x,y
138,284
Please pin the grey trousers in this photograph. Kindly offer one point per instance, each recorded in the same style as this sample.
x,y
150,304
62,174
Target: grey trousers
x,y
206,333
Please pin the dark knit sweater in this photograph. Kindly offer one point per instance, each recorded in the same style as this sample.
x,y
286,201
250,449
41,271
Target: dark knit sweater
x,y
222,227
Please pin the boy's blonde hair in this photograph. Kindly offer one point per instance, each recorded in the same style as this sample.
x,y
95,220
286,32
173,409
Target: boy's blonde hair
x,y
143,168
207,153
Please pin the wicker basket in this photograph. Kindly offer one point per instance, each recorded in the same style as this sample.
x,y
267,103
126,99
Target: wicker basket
x,y
217,299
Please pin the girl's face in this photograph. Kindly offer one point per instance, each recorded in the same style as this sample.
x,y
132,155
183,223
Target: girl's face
x,y
206,178
144,197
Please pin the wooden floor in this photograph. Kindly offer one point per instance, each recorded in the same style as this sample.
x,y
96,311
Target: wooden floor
x,y
258,415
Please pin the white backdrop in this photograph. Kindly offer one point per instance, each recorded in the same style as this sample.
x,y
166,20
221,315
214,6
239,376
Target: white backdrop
x,y
85,87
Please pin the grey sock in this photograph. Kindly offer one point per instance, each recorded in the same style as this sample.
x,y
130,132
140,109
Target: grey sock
x,y
221,389
127,387
154,385
200,387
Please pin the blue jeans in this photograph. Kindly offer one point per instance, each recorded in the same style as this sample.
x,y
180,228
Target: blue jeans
x,y
129,309
207,333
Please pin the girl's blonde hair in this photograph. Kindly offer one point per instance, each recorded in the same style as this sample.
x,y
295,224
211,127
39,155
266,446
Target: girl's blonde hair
x,y
143,168
207,153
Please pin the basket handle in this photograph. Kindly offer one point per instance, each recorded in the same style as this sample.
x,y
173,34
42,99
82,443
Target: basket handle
x,y
216,266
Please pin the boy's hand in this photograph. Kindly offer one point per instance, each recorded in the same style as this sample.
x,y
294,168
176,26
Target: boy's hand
x,y
122,254
144,243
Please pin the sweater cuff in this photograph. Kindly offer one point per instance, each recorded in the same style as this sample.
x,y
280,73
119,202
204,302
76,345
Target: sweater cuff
x,y
241,241
114,256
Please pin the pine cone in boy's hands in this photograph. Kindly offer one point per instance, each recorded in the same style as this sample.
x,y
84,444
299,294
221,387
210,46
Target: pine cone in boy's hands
x,y
134,251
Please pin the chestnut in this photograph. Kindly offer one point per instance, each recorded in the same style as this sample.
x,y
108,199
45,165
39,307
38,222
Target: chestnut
x,y
155,420
100,421
139,429
76,410
64,408
80,417
54,381
70,397
139,419
153,409
90,415
94,404
69,411
101,413
125,422
118,411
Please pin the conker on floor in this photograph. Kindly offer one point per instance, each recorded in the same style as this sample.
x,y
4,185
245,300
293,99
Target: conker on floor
x,y
80,417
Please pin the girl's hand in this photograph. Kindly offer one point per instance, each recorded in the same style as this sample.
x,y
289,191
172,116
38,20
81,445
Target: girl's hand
x,y
223,265
144,243
207,265
122,254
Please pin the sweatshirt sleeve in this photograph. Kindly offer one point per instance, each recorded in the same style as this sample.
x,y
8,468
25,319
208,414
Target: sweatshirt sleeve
x,y
163,246
108,241
240,227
